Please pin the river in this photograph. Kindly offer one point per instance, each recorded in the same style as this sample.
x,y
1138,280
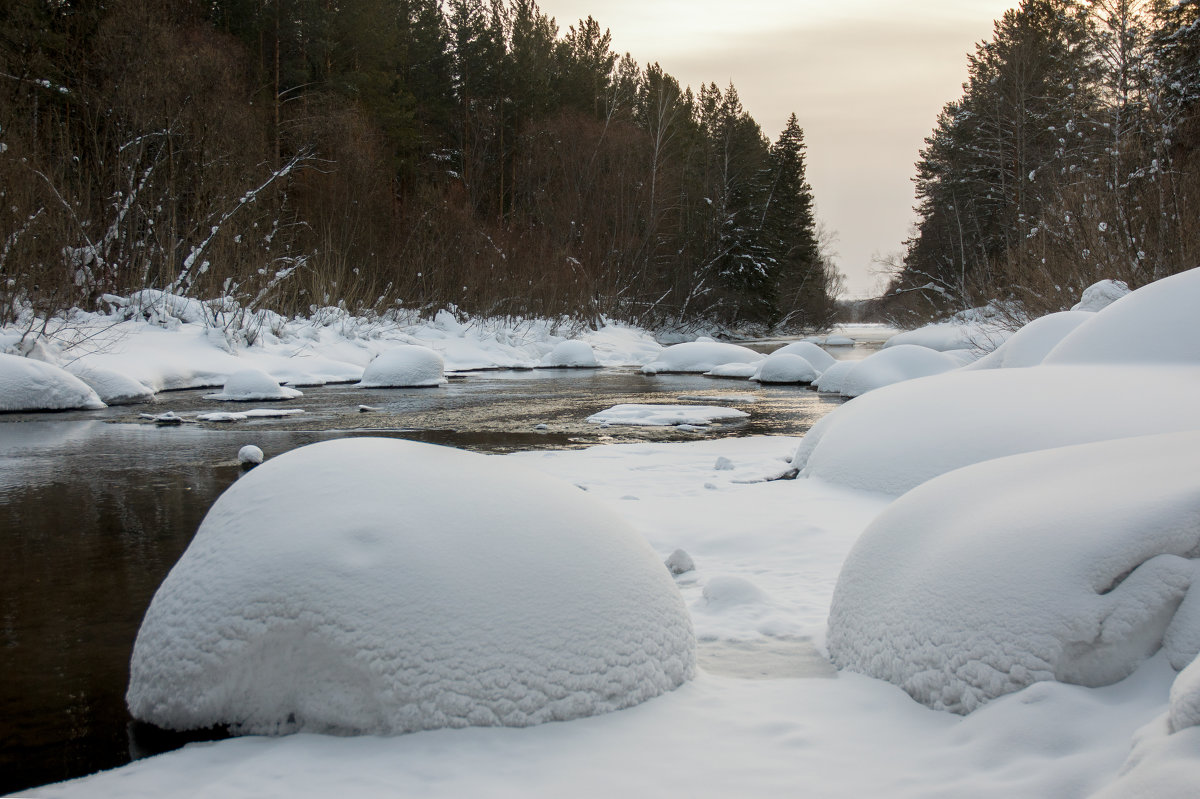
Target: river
x,y
95,508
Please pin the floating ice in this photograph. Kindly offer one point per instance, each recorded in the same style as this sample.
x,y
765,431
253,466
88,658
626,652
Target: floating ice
x,y
663,415
346,587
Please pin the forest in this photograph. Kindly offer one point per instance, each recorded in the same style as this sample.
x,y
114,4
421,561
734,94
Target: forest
x,y
1072,156
380,154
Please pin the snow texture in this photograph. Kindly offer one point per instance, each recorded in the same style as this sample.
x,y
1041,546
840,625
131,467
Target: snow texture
x,y
1158,323
700,356
1184,708
1030,345
819,358
680,562
253,385
571,353
898,437
317,597
893,365
1099,296
785,368
736,371
830,381
113,388
665,415
250,455
405,366
1065,565
31,385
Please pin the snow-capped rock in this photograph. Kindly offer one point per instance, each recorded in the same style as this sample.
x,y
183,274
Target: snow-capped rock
x,y
346,587
577,354
1099,296
785,368
894,365
1066,564
253,385
700,356
250,455
830,381
31,385
819,358
112,387
405,366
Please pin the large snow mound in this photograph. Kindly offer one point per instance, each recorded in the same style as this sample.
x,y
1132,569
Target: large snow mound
x,y
894,365
819,358
785,367
1065,565
570,354
113,388
253,385
31,385
346,587
1030,345
405,366
831,380
665,415
700,356
1159,322
895,438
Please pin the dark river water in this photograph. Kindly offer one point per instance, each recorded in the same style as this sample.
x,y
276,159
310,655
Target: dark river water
x,y
95,508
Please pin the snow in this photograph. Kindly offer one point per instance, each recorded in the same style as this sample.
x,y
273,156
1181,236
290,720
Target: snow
x,y
405,366
839,341
1158,323
241,416
700,356
571,353
972,331
819,358
896,438
736,371
31,385
414,610
785,368
679,562
665,415
1065,564
250,455
113,388
893,365
831,380
253,385
1099,296
1030,345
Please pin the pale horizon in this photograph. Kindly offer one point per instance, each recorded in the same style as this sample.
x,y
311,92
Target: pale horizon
x,y
865,78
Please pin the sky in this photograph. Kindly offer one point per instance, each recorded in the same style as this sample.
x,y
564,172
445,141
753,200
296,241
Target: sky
x,y
866,79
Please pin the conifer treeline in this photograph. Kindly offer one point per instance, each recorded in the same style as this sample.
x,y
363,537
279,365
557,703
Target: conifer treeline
x,y
292,153
1072,156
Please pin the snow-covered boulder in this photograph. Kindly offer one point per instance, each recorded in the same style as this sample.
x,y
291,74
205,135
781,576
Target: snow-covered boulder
x,y
895,438
839,341
1099,296
250,455
577,354
1157,323
405,366
1030,345
665,415
830,381
734,371
785,368
700,356
30,385
819,358
113,388
347,587
1066,564
894,365
253,385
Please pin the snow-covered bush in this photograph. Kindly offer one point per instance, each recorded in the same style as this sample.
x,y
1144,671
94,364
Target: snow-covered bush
x,y
785,368
700,356
1067,564
1099,296
253,385
570,353
347,587
31,385
894,365
405,366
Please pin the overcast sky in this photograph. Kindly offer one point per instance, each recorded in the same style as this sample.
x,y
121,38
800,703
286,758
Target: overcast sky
x,y
866,79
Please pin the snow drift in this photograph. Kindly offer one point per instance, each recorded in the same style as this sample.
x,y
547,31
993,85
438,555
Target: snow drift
x,y
346,587
31,385
1068,565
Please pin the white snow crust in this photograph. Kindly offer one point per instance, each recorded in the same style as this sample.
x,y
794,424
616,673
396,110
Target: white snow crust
x,y
253,385
405,366
893,365
32,385
316,596
700,356
785,368
665,415
570,353
1067,565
